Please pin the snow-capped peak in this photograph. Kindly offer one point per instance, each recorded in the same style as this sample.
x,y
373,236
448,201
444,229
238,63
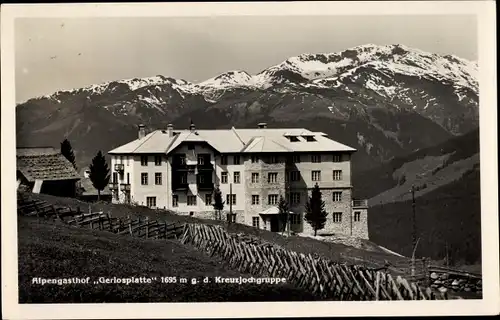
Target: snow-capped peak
x,y
321,69
230,78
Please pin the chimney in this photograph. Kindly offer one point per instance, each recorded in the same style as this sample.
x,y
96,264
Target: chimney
x,y
142,131
262,125
170,130
192,127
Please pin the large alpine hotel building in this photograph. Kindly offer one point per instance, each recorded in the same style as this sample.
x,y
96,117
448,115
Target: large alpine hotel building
x,y
179,170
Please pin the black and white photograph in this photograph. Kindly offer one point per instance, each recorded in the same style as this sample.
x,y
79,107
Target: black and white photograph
x,y
241,154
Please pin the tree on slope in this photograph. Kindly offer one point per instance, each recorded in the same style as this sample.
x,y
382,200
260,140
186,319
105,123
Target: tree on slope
x,y
283,213
67,152
315,210
218,203
99,173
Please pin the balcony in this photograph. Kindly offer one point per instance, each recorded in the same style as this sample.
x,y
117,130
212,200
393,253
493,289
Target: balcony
x,y
360,203
205,167
178,186
119,167
125,186
113,186
206,186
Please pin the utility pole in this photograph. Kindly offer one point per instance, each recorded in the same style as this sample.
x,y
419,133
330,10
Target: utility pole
x,y
230,202
414,222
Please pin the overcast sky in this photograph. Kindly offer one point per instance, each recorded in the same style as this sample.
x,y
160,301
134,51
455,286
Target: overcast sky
x,y
54,54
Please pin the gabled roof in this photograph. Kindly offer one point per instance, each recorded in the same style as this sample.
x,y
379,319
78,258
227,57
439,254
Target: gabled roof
x,y
235,141
45,163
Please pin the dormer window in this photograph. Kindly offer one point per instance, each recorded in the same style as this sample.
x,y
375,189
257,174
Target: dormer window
x,y
293,138
310,138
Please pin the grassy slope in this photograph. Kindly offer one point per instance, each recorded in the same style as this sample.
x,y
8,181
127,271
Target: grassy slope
x,y
54,250
375,181
451,214
333,251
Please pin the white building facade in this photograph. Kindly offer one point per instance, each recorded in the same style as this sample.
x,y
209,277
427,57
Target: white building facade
x,y
179,170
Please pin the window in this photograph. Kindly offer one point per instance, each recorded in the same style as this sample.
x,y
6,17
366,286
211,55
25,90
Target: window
x,y
157,160
232,218
183,178
200,179
255,177
115,177
231,199
223,160
255,159
181,159
144,161
151,201
273,159
337,217
255,222
316,158
337,174
255,199
272,177
272,199
296,158
191,200
144,178
357,216
175,200
310,138
201,160
236,160
294,176
208,199
236,177
293,138
295,219
158,178
337,196
294,197
337,158
316,175
223,177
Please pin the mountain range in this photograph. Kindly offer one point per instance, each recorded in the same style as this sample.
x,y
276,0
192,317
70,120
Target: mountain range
x,y
374,98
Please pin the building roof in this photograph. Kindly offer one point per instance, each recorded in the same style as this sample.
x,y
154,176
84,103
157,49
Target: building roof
x,y
235,141
44,163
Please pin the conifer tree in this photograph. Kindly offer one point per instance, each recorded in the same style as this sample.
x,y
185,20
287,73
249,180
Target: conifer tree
x,y
315,210
218,203
67,152
283,213
99,173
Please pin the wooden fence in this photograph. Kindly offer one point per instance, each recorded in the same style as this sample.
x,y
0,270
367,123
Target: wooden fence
x,y
326,279
138,227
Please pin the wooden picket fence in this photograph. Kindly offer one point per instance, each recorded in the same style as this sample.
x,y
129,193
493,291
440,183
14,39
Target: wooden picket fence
x,y
141,227
324,278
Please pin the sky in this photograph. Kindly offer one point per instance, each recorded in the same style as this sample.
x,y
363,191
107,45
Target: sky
x,y
54,54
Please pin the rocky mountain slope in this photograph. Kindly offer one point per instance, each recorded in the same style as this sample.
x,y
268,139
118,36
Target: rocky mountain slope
x,y
374,98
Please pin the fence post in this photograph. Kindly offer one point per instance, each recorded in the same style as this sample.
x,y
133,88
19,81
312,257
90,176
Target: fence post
x,y
129,224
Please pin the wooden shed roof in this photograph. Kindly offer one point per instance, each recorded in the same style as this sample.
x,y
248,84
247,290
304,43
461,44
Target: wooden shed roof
x,y
45,163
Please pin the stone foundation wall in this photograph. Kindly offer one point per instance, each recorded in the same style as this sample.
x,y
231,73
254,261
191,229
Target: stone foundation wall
x,y
445,281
